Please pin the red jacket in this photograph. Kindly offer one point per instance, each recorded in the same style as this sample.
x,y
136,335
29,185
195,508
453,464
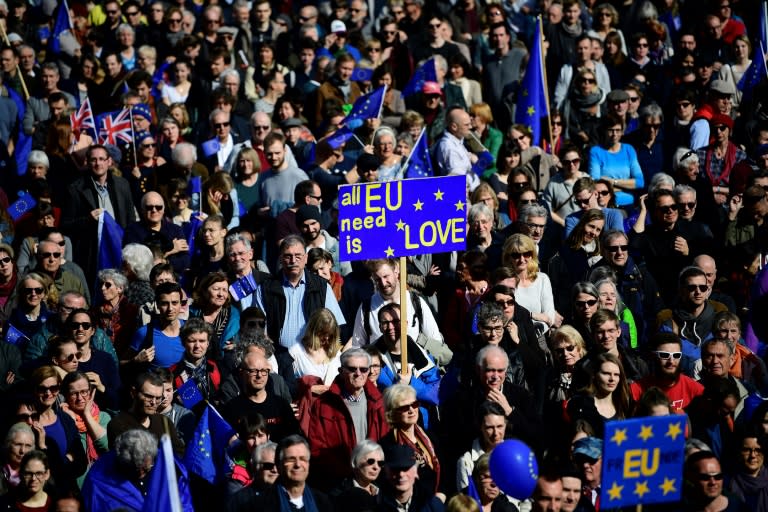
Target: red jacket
x,y
332,433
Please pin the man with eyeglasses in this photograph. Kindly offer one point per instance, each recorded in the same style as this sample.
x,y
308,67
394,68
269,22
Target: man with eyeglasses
x,y
147,395
87,197
350,411
667,373
585,197
155,230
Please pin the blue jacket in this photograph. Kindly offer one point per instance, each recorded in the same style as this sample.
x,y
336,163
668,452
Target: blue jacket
x,y
230,330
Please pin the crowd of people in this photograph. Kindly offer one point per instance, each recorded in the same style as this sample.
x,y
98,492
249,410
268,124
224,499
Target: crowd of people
x,y
616,268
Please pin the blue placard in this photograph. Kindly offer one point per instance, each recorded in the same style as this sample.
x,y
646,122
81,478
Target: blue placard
x,y
402,218
643,461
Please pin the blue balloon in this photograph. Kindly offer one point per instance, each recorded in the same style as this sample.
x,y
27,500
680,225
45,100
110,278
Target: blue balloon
x,y
514,468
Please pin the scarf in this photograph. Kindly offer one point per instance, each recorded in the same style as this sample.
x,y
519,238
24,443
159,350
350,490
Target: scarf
x,y
425,451
583,103
90,447
730,160
752,489
6,289
285,502
574,30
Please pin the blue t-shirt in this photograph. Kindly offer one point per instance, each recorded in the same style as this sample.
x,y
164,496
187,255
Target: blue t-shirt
x,y
168,349
622,165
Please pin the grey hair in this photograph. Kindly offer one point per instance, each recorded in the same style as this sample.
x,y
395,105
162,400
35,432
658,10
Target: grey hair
x,y
362,449
147,51
647,11
227,73
490,350
651,111
440,62
613,233
489,312
531,210
269,446
180,152
728,343
384,130
584,287
112,274
681,189
124,27
17,428
215,112
477,210
619,302
660,179
677,159
287,442
37,157
353,353
139,259
51,66
134,447
233,239
252,339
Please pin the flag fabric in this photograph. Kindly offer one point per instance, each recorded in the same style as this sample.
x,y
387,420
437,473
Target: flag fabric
x,y
762,31
755,74
163,487
114,126
82,119
472,492
205,455
190,394
190,229
419,163
15,336
24,143
532,101
160,75
367,106
362,75
110,242
62,25
340,136
21,206
210,147
243,287
484,160
195,193
424,73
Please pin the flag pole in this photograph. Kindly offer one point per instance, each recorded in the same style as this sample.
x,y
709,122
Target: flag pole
x,y
407,160
133,141
540,42
381,106
18,68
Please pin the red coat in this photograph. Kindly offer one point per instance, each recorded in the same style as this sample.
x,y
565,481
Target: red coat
x,y
332,433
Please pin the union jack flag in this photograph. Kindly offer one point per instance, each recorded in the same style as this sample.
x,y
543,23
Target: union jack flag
x,y
83,119
114,126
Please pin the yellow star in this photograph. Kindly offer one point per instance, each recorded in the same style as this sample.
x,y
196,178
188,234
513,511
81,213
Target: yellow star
x,y
439,195
531,110
418,204
619,436
459,205
615,491
390,252
641,488
525,92
645,432
400,225
668,486
673,431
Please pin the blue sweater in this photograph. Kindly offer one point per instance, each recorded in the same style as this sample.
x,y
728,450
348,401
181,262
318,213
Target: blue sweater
x,y
622,165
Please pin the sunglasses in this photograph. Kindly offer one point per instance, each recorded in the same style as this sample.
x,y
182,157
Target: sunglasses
x,y
668,208
106,284
588,81
77,325
706,477
6,260
641,45
684,104
70,358
604,193
575,161
687,206
258,127
700,287
721,127
42,390
663,354
26,417
586,303
153,207
373,49
506,303
407,407
54,255
655,126
267,466
527,201
149,145
583,459
355,369
36,291
567,348
582,201
220,125
617,248
518,255
371,462
634,98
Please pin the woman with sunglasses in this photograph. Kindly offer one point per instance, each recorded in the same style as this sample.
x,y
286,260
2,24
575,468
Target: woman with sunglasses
x,y
518,183
534,290
91,421
558,194
358,492
584,303
605,20
33,304
402,409
581,108
567,347
116,316
55,430
142,176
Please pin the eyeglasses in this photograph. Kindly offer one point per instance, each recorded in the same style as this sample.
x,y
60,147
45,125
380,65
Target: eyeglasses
x,y
588,81
258,372
26,417
152,399
149,145
585,303
407,407
69,358
693,287
44,390
687,206
684,104
641,45
132,13
617,248
61,243
668,208
706,477
604,15
259,127
267,466
582,201
655,126
633,99
557,123
174,20
721,127
80,325
83,393
34,475
54,255
505,303
6,260
153,207
518,255
575,161
356,369
662,354
604,193
106,284
498,329
36,291
567,348
535,227
220,125
373,49
377,462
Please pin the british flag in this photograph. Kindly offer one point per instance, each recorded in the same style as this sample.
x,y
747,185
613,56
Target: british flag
x,y
114,126
83,119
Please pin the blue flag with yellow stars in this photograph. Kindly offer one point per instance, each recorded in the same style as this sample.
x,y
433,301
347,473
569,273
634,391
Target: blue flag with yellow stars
x,y
424,73
532,102
205,455
419,164
340,137
21,206
756,73
15,336
367,106
190,394
643,461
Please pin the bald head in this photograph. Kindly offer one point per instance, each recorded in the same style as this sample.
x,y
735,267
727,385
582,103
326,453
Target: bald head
x,y
709,266
152,209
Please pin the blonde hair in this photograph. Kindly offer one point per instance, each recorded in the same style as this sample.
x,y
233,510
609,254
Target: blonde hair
x,y
569,333
322,321
521,243
392,397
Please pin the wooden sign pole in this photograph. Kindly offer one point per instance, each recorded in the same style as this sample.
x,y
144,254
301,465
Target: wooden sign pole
x,y
403,318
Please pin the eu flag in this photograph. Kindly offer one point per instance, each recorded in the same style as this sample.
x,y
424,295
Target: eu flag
x,y
532,101
163,487
362,75
210,147
472,492
339,137
24,144
205,455
243,287
63,24
419,164
190,229
424,73
484,160
15,336
190,394
21,206
756,73
367,106
110,242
